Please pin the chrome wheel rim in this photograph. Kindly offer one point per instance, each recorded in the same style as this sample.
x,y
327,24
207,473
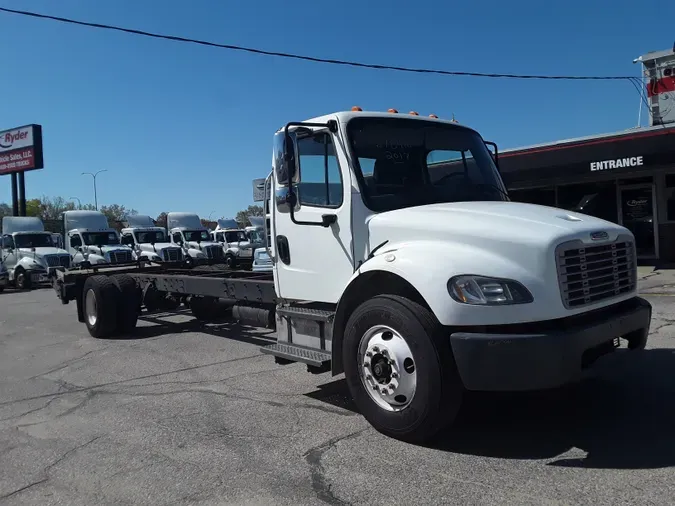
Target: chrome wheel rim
x,y
90,306
387,368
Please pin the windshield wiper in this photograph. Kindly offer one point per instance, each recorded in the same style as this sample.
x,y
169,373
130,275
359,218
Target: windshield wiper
x,y
494,187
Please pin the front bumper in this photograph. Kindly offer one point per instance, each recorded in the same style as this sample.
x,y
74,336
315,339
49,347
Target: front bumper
x,y
38,276
4,280
546,354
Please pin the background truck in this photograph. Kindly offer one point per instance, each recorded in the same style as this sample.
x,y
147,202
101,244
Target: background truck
x,y
187,232
430,282
150,240
258,234
236,244
90,239
28,251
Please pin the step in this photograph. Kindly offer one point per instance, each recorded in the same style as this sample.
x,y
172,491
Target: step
x,y
295,353
306,313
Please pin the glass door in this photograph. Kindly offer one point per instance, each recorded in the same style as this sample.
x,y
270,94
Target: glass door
x,y
637,208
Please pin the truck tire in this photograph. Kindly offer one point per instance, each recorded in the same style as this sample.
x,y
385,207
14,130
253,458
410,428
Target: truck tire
x,y
400,369
100,297
22,279
230,261
129,302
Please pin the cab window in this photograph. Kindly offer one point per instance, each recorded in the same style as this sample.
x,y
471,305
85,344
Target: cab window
x,y
320,179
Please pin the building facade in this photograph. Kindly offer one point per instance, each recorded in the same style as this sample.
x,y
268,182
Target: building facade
x,y
625,177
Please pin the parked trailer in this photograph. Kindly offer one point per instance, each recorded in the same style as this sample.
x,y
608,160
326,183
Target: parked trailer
x,y
429,281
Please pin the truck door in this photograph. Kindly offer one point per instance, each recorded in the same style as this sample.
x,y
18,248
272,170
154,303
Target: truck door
x,y
314,262
9,253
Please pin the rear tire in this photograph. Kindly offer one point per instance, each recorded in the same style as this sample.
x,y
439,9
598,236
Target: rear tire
x,y
100,297
423,391
129,302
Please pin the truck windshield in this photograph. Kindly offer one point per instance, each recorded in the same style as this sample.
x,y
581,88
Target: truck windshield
x,y
196,235
33,240
404,162
153,236
256,236
100,238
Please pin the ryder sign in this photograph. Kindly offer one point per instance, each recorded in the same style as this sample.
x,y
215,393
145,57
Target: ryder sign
x,y
21,149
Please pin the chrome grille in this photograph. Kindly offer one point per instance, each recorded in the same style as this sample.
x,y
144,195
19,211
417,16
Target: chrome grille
x,y
172,254
57,260
120,256
214,252
588,274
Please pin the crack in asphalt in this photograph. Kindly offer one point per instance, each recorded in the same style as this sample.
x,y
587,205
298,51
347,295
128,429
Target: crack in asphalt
x,y
322,488
48,468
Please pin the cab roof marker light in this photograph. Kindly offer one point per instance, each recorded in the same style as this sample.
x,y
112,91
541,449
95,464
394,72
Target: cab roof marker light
x,y
356,108
393,111
414,113
433,116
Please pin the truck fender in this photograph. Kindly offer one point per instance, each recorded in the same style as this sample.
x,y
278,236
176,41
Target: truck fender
x,y
418,271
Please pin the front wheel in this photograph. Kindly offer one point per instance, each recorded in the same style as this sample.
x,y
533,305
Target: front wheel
x,y
400,369
22,280
230,261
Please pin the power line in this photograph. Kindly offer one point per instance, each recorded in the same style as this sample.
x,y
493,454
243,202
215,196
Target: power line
x,y
312,58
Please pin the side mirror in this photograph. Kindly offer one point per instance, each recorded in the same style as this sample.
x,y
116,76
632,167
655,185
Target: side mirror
x,y
286,200
285,158
495,153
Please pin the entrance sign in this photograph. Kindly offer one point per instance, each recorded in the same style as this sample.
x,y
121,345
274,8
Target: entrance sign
x,y
633,161
21,149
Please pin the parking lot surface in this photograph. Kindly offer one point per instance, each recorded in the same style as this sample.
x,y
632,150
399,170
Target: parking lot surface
x,y
194,414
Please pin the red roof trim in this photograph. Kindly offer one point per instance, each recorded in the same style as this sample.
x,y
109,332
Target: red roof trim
x,y
604,140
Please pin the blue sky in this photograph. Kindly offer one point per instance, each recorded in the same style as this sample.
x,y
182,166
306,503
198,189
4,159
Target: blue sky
x,y
186,128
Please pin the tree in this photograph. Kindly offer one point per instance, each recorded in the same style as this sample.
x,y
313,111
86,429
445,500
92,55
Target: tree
x,y
116,212
160,221
242,216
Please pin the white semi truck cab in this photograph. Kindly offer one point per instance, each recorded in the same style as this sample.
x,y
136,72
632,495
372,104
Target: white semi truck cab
x,y
150,240
28,251
187,232
235,242
89,238
257,235
430,282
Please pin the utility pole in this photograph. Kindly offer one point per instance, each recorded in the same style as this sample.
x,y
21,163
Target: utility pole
x,y
93,175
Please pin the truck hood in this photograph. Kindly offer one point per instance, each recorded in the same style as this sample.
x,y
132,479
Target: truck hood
x,y
204,244
97,251
39,252
493,225
159,246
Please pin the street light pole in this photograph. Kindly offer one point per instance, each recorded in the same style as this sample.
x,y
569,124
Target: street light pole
x,y
79,203
94,176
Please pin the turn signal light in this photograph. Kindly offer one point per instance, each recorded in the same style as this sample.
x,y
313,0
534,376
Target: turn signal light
x,y
394,111
356,108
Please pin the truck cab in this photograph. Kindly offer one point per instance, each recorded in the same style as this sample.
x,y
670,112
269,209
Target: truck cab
x,y
89,238
150,240
28,251
187,232
236,244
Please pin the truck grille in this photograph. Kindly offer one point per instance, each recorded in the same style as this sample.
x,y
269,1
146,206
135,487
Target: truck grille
x,y
58,260
120,256
172,254
214,252
589,274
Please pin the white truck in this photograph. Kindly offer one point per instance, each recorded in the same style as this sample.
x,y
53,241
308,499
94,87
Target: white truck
x,y
149,240
187,232
430,282
258,236
28,251
90,240
236,244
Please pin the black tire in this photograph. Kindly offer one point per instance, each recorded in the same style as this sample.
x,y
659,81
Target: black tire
x,y
22,279
230,261
439,389
106,296
129,302
151,298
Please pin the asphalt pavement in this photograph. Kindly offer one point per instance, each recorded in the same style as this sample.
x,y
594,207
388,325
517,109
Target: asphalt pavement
x,y
194,414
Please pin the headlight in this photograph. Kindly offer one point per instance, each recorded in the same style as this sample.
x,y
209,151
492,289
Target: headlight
x,y
483,291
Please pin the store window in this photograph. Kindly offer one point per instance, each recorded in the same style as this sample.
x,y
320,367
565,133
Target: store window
x,y
594,199
540,196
